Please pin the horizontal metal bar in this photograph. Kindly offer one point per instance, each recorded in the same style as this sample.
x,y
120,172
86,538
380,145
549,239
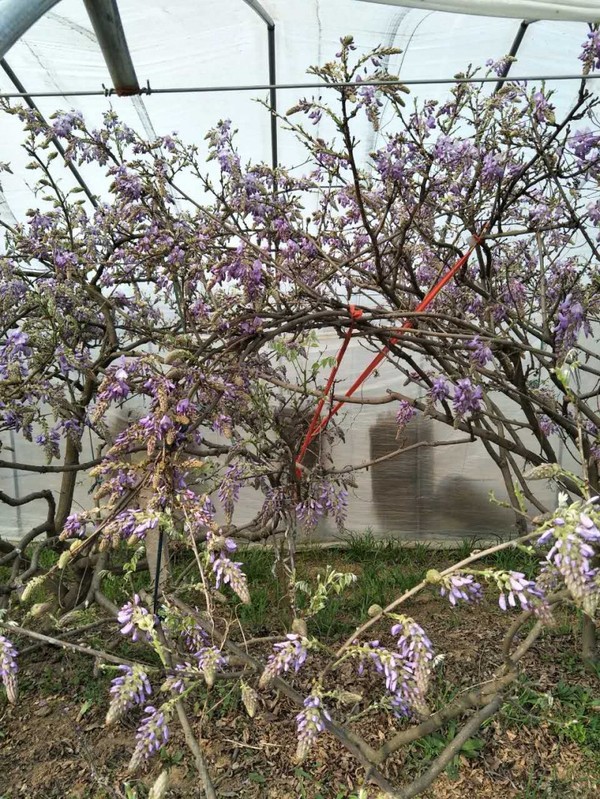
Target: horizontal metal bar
x,y
293,86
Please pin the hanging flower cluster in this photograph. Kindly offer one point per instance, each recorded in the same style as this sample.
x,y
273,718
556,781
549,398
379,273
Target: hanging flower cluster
x,y
226,571
289,655
309,723
135,619
460,587
131,688
406,670
573,537
9,668
152,734
324,499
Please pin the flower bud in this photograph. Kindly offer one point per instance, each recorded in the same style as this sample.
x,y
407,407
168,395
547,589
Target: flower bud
x,y
34,583
348,697
160,787
40,608
249,699
543,472
299,627
64,559
12,689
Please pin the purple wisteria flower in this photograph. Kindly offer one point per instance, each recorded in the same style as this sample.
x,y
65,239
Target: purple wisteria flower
x,y
582,142
131,688
459,587
309,723
9,668
50,441
115,386
406,671
467,397
542,109
309,512
193,636
289,654
229,572
135,618
587,529
570,320
386,662
229,489
406,411
492,168
547,426
133,524
74,526
14,353
64,122
590,51
517,590
17,341
210,660
572,554
499,66
547,536
178,681
324,500
151,735
440,389
480,353
416,649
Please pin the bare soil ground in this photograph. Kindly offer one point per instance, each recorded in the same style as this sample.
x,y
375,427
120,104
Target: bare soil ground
x,y
545,741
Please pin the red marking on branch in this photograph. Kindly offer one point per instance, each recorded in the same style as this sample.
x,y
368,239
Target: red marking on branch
x,y
316,427
355,314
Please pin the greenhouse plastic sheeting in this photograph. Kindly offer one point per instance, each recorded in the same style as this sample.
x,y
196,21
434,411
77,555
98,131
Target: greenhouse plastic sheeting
x,y
526,9
216,43
429,493
432,492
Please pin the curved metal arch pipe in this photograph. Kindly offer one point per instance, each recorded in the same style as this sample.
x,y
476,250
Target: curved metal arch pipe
x,y
106,21
17,16
270,23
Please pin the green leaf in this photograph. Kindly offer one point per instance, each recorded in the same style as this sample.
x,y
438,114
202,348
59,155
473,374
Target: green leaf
x,y
299,772
84,709
254,776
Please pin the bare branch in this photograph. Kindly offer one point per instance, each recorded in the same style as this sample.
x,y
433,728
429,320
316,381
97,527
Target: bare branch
x,y
439,764
47,469
86,650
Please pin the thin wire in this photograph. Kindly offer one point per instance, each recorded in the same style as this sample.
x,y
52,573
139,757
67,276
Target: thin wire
x,y
293,86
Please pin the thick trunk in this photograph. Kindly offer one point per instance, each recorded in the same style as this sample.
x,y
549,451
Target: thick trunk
x,y
67,486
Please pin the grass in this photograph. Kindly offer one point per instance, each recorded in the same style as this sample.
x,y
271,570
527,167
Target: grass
x,y
385,570
570,711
